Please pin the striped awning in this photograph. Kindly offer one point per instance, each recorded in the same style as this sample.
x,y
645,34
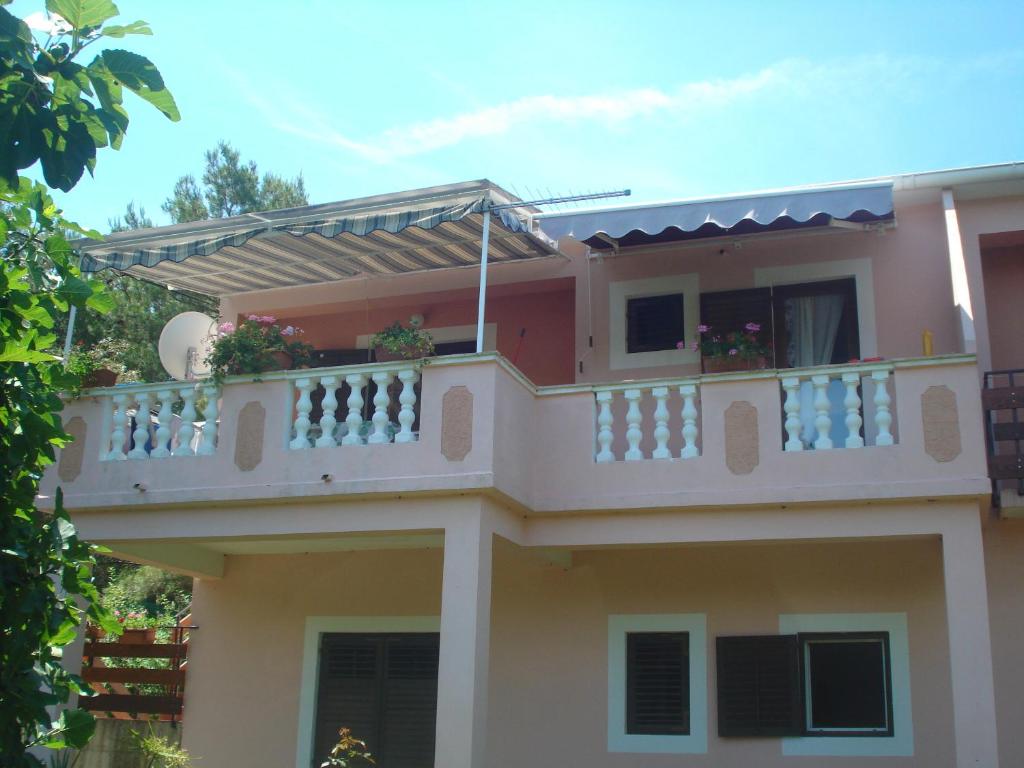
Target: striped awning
x,y
437,228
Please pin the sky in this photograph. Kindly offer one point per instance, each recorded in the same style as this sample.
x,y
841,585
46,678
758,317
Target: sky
x,y
668,99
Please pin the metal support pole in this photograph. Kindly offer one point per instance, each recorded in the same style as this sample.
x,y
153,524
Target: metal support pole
x,y
70,334
483,279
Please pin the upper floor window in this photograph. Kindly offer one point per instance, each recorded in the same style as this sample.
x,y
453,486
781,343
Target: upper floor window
x,y
654,323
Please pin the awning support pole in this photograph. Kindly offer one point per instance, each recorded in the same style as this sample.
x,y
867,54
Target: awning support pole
x,y
481,305
70,334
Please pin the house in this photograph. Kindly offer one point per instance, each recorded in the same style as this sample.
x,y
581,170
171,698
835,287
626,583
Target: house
x,y
574,547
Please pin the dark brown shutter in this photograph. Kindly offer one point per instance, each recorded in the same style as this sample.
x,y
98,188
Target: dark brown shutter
x,y
658,682
759,686
384,689
654,323
727,311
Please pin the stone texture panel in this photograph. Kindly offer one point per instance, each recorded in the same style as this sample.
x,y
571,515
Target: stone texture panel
x,y
71,455
941,423
742,444
249,437
456,423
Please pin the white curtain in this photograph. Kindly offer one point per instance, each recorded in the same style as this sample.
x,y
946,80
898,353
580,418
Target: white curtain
x,y
813,325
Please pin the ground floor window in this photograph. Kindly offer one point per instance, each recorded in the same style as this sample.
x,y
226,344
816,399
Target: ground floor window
x,y
657,682
847,684
384,688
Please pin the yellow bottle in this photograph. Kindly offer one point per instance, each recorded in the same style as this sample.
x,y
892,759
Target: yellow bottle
x,y
927,343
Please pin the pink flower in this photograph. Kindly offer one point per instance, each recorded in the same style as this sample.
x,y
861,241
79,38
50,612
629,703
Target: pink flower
x,y
225,328
733,352
695,346
288,330
753,327
254,318
703,328
680,345
266,320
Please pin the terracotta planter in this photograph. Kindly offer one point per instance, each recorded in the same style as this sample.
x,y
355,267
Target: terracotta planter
x,y
278,361
101,377
737,363
382,355
138,636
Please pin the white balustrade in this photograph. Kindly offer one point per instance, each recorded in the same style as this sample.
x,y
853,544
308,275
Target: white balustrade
x,y
638,400
354,420
816,401
154,436
302,408
328,423
381,401
407,400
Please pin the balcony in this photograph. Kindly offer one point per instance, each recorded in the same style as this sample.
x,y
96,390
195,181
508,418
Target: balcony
x,y
473,423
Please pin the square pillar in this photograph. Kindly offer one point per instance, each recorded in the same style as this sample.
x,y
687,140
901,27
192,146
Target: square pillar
x,y
465,644
970,646
958,274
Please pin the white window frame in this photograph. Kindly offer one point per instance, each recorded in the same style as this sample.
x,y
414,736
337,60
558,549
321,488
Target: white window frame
x,y
805,651
696,741
619,294
901,743
321,625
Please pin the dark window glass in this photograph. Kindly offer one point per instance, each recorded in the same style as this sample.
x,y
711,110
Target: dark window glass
x,y
658,682
654,323
848,684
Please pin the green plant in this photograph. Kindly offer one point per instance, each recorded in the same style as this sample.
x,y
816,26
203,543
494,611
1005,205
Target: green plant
x,y
743,343
349,752
107,353
250,347
158,751
408,342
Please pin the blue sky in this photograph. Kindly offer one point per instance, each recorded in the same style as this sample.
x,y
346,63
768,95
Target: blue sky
x,y
671,99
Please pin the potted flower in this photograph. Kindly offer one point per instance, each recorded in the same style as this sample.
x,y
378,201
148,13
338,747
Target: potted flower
x,y
101,364
740,350
397,342
258,344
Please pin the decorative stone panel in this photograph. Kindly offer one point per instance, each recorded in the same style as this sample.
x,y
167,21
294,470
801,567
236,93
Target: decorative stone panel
x,y
249,436
742,443
941,422
456,423
71,455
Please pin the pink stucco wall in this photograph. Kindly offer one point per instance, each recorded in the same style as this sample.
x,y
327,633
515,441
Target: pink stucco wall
x,y
1003,272
548,680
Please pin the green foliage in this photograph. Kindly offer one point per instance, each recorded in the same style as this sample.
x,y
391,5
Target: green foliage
x,y
743,343
144,589
58,112
410,343
349,752
55,112
250,348
158,751
231,187
108,353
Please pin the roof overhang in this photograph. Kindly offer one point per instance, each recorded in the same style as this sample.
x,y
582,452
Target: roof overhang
x,y
847,206
420,230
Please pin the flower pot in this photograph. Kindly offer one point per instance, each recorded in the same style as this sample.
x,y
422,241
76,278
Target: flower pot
x,y
101,377
277,361
382,355
734,363
138,636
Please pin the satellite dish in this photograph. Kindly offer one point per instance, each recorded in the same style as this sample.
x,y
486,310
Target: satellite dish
x,y
184,343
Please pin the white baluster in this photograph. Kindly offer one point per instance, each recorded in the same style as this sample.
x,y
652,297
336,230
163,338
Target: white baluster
x,y
883,418
406,416
328,421
604,427
791,385
822,419
661,433
634,430
852,404
208,444
163,428
141,434
187,430
354,420
381,400
302,409
119,432
106,426
689,392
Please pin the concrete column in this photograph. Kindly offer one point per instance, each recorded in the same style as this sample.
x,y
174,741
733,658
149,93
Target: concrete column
x,y
970,646
465,644
958,273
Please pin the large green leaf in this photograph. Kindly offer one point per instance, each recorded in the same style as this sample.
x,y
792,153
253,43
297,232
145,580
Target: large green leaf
x,y
74,729
83,13
139,75
135,28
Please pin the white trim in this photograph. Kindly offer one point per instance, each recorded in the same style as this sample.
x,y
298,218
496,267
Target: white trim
x,y
696,742
448,333
318,625
620,292
858,269
901,743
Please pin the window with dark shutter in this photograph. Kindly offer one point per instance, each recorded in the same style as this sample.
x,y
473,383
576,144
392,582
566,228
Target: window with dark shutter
x,y
759,692
730,311
383,688
654,323
847,684
658,683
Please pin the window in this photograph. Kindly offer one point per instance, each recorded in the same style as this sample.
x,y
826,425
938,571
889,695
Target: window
x,y
657,682
654,323
759,690
846,684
